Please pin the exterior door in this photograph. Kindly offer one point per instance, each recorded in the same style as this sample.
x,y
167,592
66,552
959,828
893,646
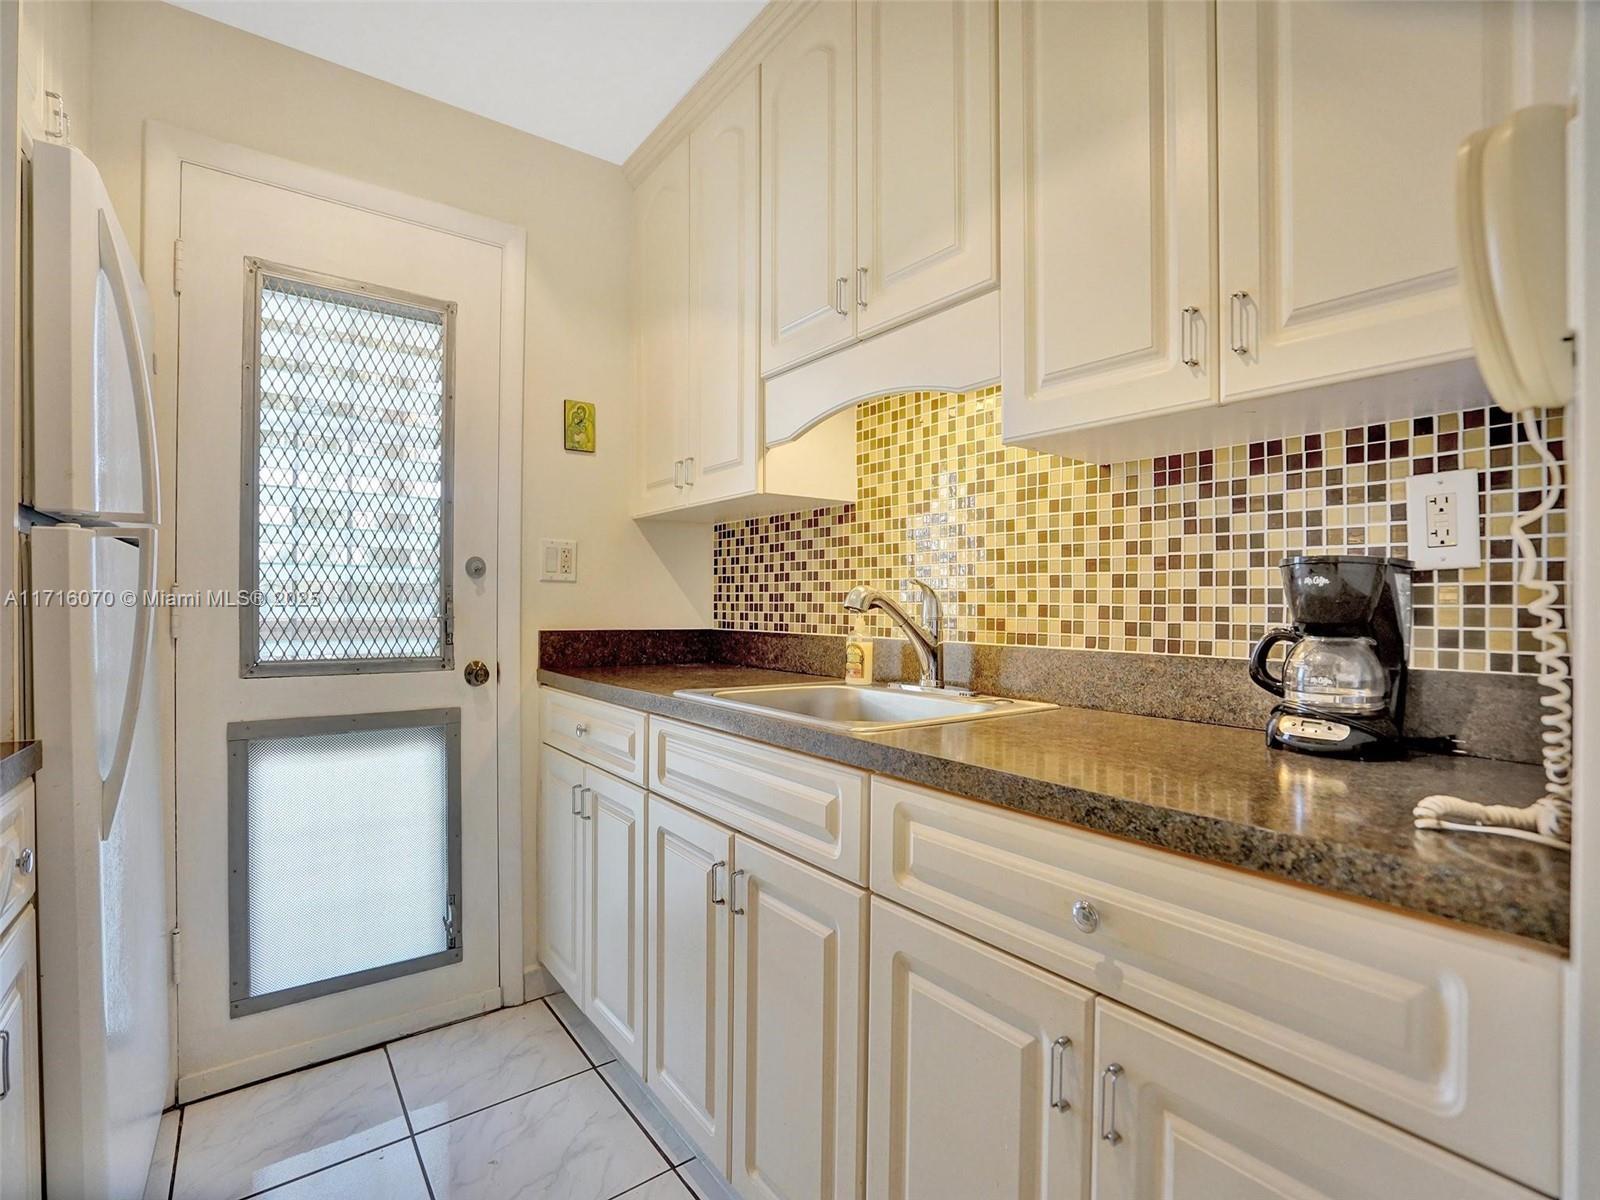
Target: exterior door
x,y
1178,1119
724,297
925,154
688,991
799,1021
808,195
661,223
561,868
961,1029
1106,212
338,400
612,815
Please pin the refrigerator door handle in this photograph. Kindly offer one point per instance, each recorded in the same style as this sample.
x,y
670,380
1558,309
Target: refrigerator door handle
x,y
138,367
138,664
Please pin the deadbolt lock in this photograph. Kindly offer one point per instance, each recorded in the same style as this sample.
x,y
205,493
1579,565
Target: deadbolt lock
x,y
477,672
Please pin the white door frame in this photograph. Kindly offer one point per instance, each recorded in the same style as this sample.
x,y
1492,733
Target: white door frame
x,y
166,149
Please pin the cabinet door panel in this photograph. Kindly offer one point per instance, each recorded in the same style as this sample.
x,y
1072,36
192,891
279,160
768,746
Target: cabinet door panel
x,y
661,221
561,869
808,188
963,1069
21,1151
798,1022
686,1034
614,833
925,152
724,297
1338,125
1195,1123
1106,212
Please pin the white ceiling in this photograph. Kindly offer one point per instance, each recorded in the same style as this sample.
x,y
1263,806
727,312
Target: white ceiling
x,y
596,75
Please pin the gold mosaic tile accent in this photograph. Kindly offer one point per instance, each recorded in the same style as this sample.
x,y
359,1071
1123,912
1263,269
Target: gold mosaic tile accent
x,y
1172,555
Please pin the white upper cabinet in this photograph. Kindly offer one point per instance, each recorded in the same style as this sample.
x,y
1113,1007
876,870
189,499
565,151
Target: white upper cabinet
x,y
925,156
1338,125
808,206
1106,219
724,425
661,223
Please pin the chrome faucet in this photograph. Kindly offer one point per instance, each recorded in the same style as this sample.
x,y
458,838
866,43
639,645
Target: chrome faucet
x,y
925,635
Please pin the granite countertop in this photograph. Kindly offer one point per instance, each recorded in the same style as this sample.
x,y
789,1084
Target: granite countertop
x,y
1208,791
18,761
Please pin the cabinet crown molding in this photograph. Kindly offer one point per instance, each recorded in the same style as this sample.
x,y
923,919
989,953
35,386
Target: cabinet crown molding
x,y
748,49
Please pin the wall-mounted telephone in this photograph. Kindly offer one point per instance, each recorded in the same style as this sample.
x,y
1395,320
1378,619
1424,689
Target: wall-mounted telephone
x,y
1511,235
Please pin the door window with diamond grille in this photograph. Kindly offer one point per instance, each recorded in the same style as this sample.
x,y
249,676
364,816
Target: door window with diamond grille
x,y
346,517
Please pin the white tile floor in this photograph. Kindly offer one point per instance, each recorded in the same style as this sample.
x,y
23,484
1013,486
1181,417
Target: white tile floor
x,y
522,1104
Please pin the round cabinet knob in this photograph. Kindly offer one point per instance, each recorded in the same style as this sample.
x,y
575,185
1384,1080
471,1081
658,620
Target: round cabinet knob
x,y
25,861
580,729
477,672
1085,916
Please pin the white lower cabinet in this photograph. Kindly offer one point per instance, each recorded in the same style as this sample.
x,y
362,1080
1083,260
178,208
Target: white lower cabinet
x,y
20,1145
561,896
686,1030
799,1024
979,1070
613,815
1177,1119
592,896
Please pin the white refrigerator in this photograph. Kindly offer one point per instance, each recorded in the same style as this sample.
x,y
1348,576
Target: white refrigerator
x,y
92,514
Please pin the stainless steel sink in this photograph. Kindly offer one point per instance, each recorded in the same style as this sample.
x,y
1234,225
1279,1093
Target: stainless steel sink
x,y
853,708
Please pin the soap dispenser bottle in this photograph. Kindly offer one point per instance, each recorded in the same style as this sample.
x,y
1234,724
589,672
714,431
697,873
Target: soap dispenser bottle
x,y
858,653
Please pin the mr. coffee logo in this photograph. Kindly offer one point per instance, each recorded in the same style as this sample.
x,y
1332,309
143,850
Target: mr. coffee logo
x,y
1320,581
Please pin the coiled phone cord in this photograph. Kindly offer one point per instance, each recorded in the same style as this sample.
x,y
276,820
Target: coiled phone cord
x,y
1548,820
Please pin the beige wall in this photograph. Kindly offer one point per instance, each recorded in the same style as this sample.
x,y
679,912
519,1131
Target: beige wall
x,y
155,62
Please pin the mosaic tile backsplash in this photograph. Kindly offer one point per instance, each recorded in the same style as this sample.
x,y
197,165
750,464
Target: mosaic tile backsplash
x,y
1173,555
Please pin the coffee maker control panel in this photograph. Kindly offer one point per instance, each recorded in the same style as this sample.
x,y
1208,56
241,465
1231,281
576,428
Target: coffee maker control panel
x,y
1312,727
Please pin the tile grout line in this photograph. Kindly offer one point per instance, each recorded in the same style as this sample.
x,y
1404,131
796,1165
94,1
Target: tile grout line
x,y
325,1167
177,1145
628,1108
545,1000
411,1131
497,1103
624,1195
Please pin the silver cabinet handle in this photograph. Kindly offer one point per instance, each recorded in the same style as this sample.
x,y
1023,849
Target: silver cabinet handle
x,y
688,472
586,804
25,861
1085,916
838,295
1188,337
861,287
1058,1074
577,800
5,1063
580,729
1238,334
677,474
1108,1103
720,865
741,873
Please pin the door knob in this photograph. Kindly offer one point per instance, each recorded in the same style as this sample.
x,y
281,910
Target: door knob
x,y
477,672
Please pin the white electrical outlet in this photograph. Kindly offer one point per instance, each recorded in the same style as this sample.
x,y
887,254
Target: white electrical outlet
x,y
1442,520
558,561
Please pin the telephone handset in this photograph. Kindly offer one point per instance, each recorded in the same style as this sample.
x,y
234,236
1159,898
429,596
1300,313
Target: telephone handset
x,y
1511,235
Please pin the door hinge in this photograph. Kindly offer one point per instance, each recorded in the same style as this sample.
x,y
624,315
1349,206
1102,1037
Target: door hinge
x,y
172,613
451,930
449,617
177,267
176,955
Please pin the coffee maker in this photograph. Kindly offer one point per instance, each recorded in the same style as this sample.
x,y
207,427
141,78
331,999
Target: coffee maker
x,y
1343,678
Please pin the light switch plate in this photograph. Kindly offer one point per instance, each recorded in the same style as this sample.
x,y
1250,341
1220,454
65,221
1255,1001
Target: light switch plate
x,y
558,560
1442,521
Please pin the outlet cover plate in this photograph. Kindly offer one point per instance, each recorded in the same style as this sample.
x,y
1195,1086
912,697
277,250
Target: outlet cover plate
x,y
558,560
1460,486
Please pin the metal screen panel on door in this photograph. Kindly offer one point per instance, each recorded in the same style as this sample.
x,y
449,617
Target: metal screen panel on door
x,y
345,530
344,845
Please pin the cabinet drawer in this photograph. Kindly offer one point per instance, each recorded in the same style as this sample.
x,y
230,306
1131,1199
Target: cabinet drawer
x,y
1438,1031
815,810
601,734
17,868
